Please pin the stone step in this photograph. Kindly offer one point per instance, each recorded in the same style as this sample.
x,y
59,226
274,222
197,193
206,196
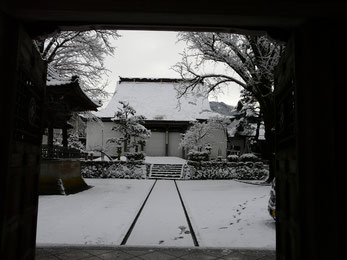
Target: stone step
x,y
166,171
168,175
165,178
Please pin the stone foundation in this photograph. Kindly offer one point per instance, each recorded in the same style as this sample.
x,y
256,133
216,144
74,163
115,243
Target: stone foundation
x,y
61,177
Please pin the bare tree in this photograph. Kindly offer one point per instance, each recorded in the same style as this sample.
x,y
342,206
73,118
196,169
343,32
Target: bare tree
x,y
252,58
194,137
82,54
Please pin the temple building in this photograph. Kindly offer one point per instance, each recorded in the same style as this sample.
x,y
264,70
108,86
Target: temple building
x,y
166,116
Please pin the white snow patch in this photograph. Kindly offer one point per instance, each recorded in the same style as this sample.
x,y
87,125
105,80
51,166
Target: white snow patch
x,y
162,221
225,213
99,216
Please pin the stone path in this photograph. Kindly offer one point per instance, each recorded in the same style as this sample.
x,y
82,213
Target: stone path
x,y
156,226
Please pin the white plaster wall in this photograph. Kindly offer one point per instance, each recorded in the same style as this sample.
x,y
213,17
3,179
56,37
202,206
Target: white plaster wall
x,y
97,136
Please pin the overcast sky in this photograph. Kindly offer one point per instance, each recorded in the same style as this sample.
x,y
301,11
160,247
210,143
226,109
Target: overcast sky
x,y
151,54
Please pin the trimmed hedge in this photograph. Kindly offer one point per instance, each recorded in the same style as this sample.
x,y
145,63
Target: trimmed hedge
x,y
135,156
225,170
116,169
198,156
251,169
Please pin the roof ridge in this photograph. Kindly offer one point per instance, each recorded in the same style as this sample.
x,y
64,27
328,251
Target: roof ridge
x,y
171,80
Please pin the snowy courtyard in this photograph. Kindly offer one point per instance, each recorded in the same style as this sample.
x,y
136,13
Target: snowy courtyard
x,y
221,213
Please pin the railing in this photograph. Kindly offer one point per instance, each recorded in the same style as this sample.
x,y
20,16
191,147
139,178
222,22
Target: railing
x,y
60,152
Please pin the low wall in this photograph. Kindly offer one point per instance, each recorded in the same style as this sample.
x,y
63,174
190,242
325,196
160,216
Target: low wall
x,y
61,176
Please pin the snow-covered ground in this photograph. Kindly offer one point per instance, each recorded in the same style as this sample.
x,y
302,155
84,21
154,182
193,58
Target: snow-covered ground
x,y
226,213
164,160
99,216
162,221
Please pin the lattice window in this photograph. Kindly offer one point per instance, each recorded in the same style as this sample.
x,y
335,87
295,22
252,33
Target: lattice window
x,y
28,114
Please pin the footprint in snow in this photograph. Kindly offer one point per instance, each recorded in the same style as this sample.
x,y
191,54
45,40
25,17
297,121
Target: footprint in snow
x,y
161,241
238,221
182,228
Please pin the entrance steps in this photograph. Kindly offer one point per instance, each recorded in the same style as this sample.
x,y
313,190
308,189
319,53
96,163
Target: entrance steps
x,y
166,171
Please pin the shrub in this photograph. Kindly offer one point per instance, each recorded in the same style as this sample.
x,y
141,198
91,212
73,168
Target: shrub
x,y
249,157
135,156
119,169
125,171
259,165
233,158
198,156
225,170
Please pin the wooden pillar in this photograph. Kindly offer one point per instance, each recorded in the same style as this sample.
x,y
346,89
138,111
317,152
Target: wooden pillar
x,y
321,80
50,136
65,137
167,141
23,85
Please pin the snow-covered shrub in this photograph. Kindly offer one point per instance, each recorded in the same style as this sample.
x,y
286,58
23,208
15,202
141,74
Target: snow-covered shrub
x,y
240,164
233,158
92,169
249,164
224,170
259,165
198,156
74,142
208,170
247,173
118,169
249,157
125,171
135,156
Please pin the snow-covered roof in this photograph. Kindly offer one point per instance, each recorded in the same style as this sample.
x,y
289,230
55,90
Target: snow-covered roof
x,y
156,99
54,80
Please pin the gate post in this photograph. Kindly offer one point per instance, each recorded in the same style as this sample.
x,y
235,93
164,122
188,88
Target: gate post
x,y
23,78
310,112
